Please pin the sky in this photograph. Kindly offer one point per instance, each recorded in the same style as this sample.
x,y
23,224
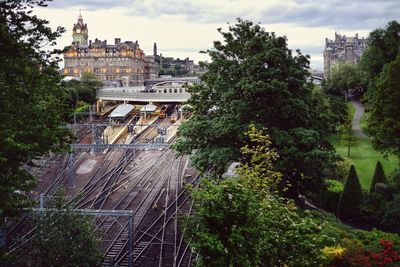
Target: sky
x,y
182,28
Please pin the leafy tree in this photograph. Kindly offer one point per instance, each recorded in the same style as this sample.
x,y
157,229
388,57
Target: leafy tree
x,y
85,88
255,78
257,162
379,176
352,197
64,238
347,137
343,80
384,119
383,48
31,101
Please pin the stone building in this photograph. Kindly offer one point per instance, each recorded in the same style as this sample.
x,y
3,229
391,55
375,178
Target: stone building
x,y
342,49
185,64
124,62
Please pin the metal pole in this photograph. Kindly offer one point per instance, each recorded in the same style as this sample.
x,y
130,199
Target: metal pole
x,y
41,199
71,169
130,242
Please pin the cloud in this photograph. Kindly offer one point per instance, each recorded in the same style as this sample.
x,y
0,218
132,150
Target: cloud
x,y
349,15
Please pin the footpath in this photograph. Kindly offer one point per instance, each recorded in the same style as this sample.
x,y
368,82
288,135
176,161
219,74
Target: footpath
x,y
355,124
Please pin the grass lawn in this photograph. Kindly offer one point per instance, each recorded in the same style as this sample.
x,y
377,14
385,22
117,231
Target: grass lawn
x,y
363,121
351,109
364,158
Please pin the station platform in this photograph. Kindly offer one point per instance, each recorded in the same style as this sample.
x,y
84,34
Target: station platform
x,y
172,130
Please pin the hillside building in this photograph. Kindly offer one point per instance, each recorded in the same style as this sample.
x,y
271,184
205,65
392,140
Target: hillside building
x,y
342,49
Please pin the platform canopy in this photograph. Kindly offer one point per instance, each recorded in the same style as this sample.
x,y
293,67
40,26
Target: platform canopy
x,y
149,108
122,111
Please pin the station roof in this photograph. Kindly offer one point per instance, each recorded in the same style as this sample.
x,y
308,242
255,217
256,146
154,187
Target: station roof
x,y
122,110
148,108
133,89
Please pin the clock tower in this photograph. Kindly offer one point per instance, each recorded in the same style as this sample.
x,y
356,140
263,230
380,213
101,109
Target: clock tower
x,y
80,32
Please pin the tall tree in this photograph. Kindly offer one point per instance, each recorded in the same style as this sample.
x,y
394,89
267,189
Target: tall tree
x,y
254,78
384,119
31,102
352,197
379,176
347,137
383,48
63,237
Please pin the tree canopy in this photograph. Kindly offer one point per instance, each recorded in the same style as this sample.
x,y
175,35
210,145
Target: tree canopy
x,y
31,101
384,120
254,78
383,48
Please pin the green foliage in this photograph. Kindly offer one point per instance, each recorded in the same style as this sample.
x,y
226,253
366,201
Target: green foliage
x,y
255,79
384,118
32,105
329,197
257,162
383,48
379,176
64,238
352,197
364,158
232,225
85,88
374,208
347,137
391,218
322,109
334,186
342,168
344,78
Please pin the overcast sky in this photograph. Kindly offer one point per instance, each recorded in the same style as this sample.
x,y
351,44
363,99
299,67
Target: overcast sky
x,y
183,28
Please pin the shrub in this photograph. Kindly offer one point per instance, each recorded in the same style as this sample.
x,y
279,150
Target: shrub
x,y
391,218
351,198
379,176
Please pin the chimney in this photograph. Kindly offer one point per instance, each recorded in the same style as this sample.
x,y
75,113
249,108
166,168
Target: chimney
x,y
117,41
90,43
155,50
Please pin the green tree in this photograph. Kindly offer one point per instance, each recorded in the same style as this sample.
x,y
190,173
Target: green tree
x,y
257,162
85,88
344,79
352,197
379,176
32,105
254,78
64,238
347,137
384,119
383,48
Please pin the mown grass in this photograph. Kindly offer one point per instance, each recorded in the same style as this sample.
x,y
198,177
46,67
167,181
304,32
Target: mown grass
x,y
364,158
351,109
363,122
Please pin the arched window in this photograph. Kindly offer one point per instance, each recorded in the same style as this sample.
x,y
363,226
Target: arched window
x,y
175,90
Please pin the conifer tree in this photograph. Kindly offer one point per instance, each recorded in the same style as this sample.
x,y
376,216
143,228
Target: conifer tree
x,y
379,177
352,196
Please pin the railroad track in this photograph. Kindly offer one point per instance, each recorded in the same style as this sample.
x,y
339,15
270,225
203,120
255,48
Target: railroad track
x,y
153,190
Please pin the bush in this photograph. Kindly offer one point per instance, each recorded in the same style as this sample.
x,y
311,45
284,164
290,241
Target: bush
x,y
391,218
351,198
342,168
379,176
